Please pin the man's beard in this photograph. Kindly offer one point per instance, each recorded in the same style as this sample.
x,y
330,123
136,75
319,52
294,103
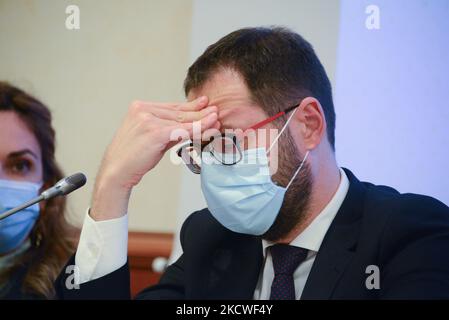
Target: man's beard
x,y
296,200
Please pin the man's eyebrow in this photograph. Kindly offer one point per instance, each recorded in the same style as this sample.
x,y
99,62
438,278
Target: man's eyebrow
x,y
20,153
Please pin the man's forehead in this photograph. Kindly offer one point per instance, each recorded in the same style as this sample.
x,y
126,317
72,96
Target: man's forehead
x,y
224,84
227,90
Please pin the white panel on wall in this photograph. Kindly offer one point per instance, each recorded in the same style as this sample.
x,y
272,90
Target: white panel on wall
x,y
392,94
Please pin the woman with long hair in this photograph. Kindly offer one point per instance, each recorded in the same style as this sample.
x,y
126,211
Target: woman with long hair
x,y
34,243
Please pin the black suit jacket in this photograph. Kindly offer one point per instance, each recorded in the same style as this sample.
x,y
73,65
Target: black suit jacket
x,y
405,235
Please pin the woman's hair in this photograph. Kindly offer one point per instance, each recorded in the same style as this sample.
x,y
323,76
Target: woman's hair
x,y
50,244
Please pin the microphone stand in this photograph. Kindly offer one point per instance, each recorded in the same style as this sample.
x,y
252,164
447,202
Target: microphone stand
x,y
21,207
61,188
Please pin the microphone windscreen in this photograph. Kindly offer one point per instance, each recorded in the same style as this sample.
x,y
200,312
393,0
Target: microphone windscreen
x,y
74,182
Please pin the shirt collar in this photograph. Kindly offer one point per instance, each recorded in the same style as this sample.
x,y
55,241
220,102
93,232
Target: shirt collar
x,y
312,237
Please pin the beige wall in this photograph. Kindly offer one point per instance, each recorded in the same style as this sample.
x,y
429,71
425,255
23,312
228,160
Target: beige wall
x,y
125,50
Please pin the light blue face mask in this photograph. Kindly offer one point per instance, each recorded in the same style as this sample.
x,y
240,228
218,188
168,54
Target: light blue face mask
x,y
16,228
243,197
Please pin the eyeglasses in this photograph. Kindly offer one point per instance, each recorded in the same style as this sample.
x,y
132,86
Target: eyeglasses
x,y
225,148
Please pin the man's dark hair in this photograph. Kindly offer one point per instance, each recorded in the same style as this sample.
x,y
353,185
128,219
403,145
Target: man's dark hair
x,y
279,67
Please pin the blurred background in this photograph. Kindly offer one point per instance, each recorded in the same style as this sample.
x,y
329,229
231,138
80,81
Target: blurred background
x,y
387,60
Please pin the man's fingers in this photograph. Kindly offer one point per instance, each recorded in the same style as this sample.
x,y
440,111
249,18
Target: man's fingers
x,y
147,106
185,131
181,112
188,127
194,105
183,116
190,116
217,125
205,123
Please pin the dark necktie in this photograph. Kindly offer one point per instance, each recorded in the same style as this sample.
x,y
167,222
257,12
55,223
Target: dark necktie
x,y
285,261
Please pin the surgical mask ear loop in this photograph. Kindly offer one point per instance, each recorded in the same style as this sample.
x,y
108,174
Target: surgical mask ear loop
x,y
297,170
282,130
277,138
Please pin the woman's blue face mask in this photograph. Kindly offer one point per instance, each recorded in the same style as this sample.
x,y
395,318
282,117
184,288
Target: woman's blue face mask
x,y
16,228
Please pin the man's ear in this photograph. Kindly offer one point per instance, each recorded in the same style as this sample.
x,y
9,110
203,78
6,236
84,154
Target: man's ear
x,y
312,122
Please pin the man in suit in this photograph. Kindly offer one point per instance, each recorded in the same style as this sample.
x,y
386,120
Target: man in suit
x,y
289,225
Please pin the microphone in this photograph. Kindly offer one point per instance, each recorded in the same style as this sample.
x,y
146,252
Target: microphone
x,y
61,188
65,186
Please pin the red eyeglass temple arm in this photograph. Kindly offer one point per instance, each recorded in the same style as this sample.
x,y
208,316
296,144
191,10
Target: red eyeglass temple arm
x,y
270,119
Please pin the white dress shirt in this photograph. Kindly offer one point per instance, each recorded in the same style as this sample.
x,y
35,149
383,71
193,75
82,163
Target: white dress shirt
x,y
103,246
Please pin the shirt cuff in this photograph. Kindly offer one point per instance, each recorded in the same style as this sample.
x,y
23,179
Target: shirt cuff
x,y
102,248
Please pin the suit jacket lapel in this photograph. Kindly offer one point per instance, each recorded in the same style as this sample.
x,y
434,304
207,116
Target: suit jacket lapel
x,y
338,245
221,264
235,271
